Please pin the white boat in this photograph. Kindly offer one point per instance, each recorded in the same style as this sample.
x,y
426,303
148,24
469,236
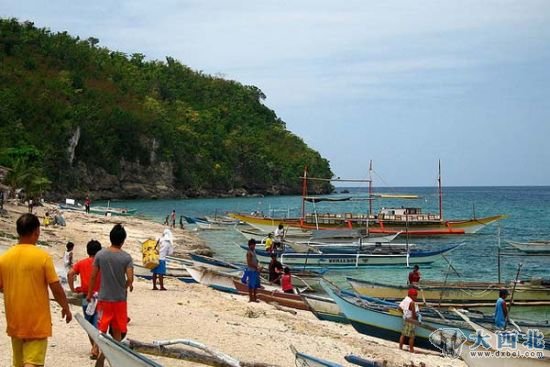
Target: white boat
x,y
353,260
110,211
533,247
220,280
115,352
358,247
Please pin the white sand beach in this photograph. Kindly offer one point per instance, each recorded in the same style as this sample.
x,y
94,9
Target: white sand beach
x,y
225,322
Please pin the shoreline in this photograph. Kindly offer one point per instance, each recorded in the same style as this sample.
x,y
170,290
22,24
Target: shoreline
x,y
222,321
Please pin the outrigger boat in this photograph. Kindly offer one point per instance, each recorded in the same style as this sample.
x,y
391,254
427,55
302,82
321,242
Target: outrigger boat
x,y
354,260
464,293
111,211
325,308
410,220
385,321
533,247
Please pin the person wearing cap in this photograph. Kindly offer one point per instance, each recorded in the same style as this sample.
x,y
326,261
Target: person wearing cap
x,y
410,318
501,311
252,272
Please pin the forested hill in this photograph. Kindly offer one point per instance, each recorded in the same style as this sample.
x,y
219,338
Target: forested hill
x,y
78,118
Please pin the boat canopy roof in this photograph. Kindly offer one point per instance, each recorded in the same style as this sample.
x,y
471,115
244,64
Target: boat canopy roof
x,y
396,196
316,199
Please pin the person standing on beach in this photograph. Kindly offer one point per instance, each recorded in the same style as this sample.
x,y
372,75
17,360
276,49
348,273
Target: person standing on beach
x,y
286,281
87,203
26,272
117,277
279,235
501,311
269,242
165,248
275,269
68,256
173,219
414,277
410,318
84,269
252,272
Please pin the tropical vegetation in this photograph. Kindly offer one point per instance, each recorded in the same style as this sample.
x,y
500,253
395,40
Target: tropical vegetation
x,y
69,106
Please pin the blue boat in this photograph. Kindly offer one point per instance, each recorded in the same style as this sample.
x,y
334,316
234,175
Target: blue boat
x,y
305,360
362,361
385,322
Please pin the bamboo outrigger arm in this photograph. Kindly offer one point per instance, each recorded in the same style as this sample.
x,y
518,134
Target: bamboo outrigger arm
x,y
211,357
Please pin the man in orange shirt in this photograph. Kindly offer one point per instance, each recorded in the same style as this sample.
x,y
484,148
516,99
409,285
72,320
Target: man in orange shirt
x,y
84,268
26,271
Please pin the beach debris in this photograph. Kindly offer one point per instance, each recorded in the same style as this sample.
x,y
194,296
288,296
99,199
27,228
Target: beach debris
x,y
252,313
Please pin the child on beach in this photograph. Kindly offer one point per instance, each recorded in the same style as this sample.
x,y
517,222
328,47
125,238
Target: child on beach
x,y
68,256
84,268
47,219
286,281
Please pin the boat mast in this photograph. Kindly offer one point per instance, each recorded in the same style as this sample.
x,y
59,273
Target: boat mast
x,y
440,193
304,193
370,187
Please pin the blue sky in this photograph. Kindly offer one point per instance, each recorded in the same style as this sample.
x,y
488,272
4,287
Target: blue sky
x,y
403,83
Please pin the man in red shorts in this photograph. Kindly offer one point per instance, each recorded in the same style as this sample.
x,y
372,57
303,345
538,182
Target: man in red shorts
x,y
117,276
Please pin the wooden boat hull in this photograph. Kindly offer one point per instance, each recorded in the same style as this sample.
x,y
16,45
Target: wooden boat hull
x,y
461,293
284,299
424,227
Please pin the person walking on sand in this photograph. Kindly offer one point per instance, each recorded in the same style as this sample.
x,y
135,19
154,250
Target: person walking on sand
x,y
84,269
117,277
165,248
173,219
410,318
68,256
501,311
26,273
252,272
87,203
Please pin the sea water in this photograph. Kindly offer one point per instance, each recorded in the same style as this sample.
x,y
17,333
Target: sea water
x,y
527,210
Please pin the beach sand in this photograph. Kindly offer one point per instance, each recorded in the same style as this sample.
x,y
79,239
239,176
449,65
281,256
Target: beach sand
x,y
227,323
